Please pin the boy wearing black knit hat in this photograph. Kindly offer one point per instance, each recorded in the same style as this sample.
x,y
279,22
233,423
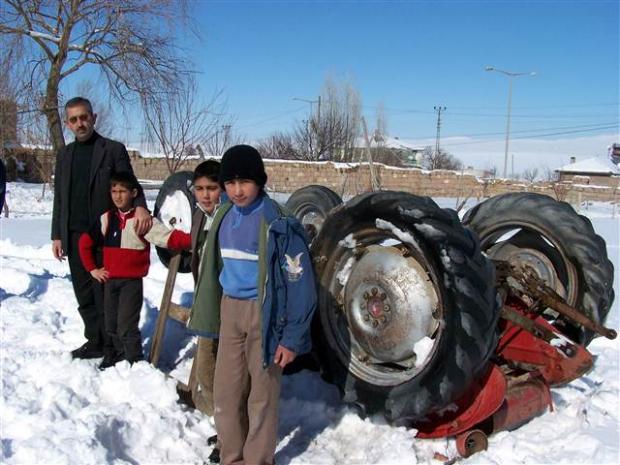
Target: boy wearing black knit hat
x,y
256,292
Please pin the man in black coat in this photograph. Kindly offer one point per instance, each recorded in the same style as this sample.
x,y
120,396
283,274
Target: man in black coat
x,y
81,195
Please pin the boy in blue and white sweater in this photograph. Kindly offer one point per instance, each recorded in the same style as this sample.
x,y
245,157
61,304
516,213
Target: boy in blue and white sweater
x,y
256,291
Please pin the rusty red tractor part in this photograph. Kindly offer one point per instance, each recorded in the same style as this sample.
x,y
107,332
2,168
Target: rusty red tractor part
x,y
454,328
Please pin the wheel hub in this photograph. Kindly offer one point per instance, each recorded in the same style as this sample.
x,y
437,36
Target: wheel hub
x,y
389,302
532,258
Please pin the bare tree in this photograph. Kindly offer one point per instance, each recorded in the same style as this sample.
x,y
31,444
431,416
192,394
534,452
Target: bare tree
x,y
530,174
130,42
561,190
382,151
223,138
381,131
279,146
331,133
18,124
441,160
178,123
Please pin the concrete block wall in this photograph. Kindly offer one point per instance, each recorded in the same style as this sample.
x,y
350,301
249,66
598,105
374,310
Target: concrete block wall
x,y
352,179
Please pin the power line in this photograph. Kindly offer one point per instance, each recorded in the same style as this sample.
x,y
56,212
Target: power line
x,y
591,126
523,107
495,115
275,116
528,132
538,136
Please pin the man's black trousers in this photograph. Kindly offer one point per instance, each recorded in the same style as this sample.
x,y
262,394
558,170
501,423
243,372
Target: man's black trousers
x,y
89,295
122,303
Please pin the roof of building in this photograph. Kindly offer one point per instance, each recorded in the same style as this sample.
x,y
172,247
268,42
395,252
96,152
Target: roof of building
x,y
595,165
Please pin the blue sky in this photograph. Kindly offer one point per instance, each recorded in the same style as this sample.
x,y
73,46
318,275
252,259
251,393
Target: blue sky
x,y
411,56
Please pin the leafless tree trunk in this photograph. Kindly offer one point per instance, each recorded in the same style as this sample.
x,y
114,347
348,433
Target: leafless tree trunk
x,y
375,183
179,123
131,42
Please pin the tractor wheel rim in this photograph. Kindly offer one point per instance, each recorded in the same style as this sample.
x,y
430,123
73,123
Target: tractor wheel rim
x,y
389,304
391,323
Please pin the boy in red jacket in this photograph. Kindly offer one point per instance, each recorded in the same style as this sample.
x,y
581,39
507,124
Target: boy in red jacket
x,y
125,262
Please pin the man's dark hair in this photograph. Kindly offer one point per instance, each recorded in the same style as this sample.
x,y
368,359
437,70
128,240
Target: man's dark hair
x,y
75,101
126,179
209,169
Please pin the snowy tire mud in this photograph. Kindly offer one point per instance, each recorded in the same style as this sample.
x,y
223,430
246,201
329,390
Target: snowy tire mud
x,y
558,243
311,205
174,207
407,306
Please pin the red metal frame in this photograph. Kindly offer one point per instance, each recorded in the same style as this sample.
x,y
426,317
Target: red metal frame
x,y
559,362
482,401
510,396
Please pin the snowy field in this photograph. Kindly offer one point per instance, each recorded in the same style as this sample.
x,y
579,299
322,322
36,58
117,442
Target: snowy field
x,y
55,410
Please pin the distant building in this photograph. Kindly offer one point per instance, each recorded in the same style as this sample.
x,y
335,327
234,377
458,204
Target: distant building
x,y
614,153
390,150
599,171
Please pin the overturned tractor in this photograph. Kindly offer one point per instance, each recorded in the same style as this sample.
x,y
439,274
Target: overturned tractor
x,y
454,328
457,328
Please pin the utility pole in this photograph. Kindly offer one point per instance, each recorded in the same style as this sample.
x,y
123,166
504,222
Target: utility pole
x,y
438,109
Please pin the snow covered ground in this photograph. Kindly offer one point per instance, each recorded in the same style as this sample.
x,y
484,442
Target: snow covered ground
x,y
55,410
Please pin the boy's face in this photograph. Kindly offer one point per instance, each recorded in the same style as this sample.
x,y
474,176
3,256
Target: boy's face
x,y
242,192
207,193
122,197
80,121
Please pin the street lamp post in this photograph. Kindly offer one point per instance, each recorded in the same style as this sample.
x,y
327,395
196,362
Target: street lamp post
x,y
510,75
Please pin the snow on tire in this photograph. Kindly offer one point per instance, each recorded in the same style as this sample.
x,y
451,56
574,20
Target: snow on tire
x,y
174,207
407,305
557,242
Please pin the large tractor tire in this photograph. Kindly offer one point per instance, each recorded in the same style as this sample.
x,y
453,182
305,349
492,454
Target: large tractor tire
x,y
175,207
559,244
407,305
311,205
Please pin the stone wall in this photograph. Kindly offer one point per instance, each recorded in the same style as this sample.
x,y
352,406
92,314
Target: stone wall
x,y
352,179
349,179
